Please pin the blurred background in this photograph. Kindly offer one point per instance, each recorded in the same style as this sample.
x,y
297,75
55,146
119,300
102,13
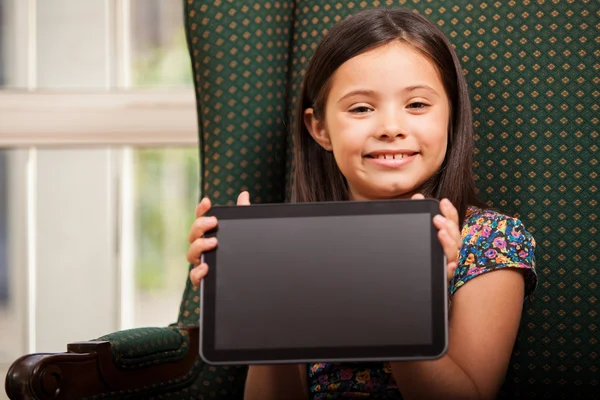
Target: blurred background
x,y
98,169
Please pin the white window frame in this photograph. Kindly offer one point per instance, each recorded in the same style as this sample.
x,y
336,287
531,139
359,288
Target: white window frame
x,y
128,117
123,116
117,116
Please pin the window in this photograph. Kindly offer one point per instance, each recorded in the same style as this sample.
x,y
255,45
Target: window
x,y
165,179
13,45
7,315
3,234
159,50
165,197
13,335
98,169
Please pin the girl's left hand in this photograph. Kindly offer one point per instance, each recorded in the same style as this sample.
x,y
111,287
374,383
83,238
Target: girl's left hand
x,y
448,233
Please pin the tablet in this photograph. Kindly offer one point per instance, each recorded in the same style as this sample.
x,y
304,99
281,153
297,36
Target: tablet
x,y
324,282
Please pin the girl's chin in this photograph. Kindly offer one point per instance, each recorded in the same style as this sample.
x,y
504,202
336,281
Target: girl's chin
x,y
383,194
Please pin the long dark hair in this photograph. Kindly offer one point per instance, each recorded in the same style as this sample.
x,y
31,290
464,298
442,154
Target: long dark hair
x,y
316,176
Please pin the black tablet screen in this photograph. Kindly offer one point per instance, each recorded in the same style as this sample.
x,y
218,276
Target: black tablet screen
x,y
381,278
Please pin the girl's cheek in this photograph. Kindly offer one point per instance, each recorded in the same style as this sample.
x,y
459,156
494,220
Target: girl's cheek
x,y
433,134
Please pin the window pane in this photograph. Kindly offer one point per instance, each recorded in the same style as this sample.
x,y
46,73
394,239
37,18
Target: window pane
x,y
3,232
12,257
5,33
66,58
159,50
67,48
166,194
13,44
72,45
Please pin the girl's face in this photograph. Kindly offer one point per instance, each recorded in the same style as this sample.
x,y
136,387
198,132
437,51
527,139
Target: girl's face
x,y
386,122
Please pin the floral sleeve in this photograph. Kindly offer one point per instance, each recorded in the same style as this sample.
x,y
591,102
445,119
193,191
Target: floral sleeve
x,y
492,241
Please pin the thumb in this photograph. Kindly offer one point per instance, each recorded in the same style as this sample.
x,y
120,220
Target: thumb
x,y
243,199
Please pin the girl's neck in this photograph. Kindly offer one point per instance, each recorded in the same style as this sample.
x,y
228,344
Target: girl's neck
x,y
358,197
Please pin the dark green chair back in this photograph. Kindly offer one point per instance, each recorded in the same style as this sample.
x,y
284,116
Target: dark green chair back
x,y
533,70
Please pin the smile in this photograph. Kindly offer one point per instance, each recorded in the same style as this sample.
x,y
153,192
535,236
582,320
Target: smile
x,y
391,160
389,156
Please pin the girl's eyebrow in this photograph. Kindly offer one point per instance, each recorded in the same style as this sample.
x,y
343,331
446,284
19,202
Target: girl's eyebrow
x,y
372,93
428,88
363,92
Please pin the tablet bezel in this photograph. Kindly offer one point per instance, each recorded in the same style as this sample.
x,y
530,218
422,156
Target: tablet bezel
x,y
439,302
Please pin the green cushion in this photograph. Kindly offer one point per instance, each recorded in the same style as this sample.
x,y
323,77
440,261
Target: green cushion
x,y
135,348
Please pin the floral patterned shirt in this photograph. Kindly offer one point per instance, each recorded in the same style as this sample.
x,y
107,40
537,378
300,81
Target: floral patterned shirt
x,y
491,241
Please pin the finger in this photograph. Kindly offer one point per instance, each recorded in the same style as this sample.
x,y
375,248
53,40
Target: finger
x,y
450,227
449,211
243,199
198,247
449,246
198,273
417,196
203,207
200,226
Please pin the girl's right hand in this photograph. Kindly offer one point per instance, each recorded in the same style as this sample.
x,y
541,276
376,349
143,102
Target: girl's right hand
x,y
198,243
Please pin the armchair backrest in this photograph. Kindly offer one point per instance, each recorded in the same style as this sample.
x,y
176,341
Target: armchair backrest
x,y
533,74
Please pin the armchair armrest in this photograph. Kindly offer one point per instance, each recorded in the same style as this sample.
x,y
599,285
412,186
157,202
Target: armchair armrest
x,y
136,362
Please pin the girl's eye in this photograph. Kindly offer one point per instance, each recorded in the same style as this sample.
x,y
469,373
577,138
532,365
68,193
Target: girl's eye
x,y
360,110
418,105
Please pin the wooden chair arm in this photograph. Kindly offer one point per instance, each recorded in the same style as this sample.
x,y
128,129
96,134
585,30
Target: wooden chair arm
x,y
88,369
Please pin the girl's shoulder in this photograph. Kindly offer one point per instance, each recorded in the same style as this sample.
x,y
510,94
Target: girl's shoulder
x,y
476,214
477,220
493,240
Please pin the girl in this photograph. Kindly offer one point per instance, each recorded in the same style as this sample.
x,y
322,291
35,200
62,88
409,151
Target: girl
x,y
384,113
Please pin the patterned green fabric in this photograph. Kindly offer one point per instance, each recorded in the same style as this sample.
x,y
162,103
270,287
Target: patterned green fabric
x,y
533,73
136,348
240,57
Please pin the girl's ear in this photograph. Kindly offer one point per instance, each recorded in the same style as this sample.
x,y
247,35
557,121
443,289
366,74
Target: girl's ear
x,y
317,130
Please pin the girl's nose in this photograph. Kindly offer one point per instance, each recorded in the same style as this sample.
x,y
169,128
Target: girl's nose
x,y
392,125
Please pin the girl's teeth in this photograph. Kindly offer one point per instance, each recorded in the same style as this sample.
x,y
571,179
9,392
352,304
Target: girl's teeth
x,y
391,156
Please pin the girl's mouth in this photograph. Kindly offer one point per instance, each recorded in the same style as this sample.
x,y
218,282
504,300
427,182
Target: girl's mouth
x,y
391,160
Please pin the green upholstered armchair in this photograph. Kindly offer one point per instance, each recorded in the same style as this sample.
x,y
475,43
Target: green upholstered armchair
x,y
534,72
